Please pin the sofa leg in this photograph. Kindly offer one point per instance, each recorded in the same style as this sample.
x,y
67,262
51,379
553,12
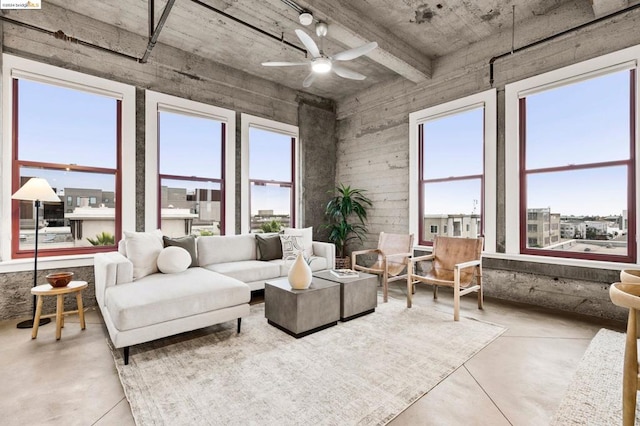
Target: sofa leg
x,y
126,355
239,322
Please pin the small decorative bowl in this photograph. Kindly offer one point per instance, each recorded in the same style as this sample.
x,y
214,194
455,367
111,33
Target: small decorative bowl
x,y
60,279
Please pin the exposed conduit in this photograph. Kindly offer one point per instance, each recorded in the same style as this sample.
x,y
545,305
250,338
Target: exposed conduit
x,y
293,5
62,36
156,32
248,25
546,39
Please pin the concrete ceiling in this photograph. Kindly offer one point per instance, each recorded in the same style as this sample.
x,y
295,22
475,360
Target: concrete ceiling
x,y
412,34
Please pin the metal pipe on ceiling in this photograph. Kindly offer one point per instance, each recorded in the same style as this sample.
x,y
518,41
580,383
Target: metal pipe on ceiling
x,y
554,36
293,5
62,36
248,25
152,40
156,32
152,16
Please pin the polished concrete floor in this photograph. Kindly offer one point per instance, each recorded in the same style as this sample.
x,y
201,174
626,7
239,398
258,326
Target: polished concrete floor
x,y
518,379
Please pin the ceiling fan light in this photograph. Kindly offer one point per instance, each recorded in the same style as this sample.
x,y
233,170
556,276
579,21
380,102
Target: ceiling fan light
x,y
305,18
321,65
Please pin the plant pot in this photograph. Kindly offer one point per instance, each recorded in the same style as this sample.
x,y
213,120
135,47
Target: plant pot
x,y
630,276
343,263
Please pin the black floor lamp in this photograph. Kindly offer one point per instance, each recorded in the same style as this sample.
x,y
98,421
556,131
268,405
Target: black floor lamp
x,y
37,190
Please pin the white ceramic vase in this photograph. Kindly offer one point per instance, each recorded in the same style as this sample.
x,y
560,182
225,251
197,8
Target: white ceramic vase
x,y
300,274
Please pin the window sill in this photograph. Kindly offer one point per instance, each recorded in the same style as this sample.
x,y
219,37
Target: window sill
x,y
596,264
53,262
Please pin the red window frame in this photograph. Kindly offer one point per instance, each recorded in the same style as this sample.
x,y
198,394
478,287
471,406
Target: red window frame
x,y
422,182
16,252
631,189
220,181
285,184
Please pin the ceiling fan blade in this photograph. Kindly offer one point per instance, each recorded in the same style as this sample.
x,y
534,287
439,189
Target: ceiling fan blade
x,y
309,80
309,44
284,64
347,55
345,73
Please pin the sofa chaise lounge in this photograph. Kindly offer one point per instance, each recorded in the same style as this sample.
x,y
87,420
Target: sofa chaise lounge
x,y
138,309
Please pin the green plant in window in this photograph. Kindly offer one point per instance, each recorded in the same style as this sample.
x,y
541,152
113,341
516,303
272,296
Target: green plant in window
x,y
103,239
206,233
273,226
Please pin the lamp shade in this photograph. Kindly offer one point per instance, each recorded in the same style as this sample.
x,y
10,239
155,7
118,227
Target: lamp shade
x,y
36,189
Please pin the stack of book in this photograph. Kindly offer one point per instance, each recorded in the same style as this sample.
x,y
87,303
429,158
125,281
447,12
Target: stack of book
x,y
344,273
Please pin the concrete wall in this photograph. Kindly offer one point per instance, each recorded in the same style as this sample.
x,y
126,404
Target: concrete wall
x,y
16,300
177,73
581,290
318,142
373,143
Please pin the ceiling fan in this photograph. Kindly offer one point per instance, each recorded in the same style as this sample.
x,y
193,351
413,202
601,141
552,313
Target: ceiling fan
x,y
320,62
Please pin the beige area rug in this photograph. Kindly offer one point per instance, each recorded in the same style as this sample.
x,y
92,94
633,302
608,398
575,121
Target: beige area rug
x,y
595,395
362,372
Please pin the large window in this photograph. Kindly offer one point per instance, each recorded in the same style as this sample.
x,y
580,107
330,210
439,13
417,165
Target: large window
x,y
454,143
270,173
576,175
67,128
190,178
190,167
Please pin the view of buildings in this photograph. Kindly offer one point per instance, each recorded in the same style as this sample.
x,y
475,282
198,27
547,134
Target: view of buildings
x,y
545,230
87,212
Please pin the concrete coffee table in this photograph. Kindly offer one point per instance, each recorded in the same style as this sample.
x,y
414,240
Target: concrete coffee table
x,y
358,295
302,312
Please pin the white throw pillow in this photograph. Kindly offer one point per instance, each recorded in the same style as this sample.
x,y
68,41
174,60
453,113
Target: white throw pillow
x,y
291,246
173,259
307,238
142,250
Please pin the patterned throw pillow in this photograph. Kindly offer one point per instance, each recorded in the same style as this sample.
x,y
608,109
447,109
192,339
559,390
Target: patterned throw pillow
x,y
291,246
307,238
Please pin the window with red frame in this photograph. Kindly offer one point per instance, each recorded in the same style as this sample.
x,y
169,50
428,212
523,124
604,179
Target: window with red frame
x,y
577,169
451,158
191,174
271,178
71,138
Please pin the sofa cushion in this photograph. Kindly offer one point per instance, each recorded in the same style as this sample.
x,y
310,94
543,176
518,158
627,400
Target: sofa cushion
x,y
142,250
307,236
173,260
269,246
247,270
291,246
227,248
158,297
187,242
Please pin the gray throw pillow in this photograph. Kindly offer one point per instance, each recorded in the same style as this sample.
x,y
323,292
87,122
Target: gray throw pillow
x,y
188,243
269,246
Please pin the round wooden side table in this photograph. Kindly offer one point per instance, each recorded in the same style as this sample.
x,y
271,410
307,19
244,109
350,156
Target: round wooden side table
x,y
46,290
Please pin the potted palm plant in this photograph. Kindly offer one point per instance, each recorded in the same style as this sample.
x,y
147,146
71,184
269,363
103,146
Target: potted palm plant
x,y
347,213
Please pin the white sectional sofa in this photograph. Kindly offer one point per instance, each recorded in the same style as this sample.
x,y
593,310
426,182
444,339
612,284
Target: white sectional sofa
x,y
138,309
